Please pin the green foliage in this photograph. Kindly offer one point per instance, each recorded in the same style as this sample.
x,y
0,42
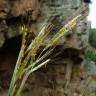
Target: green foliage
x,y
90,54
92,38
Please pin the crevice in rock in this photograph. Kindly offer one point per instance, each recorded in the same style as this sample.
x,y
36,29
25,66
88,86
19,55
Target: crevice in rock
x,y
8,56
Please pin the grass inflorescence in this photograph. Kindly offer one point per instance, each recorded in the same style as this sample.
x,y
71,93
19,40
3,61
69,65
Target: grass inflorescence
x,y
28,61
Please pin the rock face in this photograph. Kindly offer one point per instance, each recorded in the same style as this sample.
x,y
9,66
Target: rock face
x,y
12,12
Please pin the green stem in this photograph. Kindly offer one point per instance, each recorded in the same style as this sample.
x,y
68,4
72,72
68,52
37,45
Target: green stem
x,y
27,75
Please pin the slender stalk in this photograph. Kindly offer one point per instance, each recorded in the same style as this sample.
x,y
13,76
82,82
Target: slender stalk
x,y
18,63
27,75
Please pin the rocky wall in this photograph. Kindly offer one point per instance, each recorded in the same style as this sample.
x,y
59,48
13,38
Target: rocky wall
x,y
13,11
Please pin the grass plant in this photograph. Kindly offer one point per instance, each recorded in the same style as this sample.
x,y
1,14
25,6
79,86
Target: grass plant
x,y
28,61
